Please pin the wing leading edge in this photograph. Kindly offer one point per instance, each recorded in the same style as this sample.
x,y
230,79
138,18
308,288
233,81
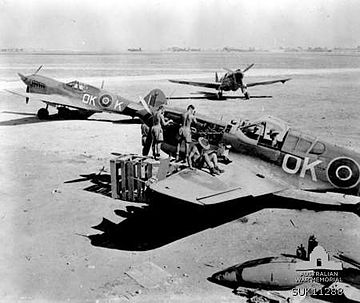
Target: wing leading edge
x,y
267,82
201,84
199,187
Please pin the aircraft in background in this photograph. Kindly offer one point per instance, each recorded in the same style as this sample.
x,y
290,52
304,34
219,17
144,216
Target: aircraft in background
x,y
231,81
77,99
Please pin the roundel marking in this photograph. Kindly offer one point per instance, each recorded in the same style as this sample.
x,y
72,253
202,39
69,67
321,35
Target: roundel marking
x,y
343,172
105,100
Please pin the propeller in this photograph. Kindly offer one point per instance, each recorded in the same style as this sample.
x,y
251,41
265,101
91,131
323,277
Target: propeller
x,y
228,70
38,69
247,68
239,70
102,84
25,79
27,98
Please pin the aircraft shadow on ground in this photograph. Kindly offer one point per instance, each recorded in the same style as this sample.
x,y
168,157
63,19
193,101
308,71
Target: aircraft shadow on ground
x,y
163,221
32,118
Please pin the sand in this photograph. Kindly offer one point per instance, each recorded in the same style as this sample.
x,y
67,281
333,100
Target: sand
x,y
46,253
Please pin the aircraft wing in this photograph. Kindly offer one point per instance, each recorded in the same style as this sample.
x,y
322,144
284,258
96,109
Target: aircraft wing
x,y
267,82
243,178
213,96
53,100
199,187
326,198
213,85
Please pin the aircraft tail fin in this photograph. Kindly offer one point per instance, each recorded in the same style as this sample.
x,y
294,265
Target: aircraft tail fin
x,y
155,98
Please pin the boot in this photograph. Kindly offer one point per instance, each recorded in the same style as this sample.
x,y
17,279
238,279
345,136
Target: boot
x,y
219,169
213,171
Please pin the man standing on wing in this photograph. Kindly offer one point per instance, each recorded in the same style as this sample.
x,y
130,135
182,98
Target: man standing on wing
x,y
157,131
185,132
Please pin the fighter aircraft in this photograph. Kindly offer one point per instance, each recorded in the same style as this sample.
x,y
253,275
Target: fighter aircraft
x,y
269,158
85,99
231,81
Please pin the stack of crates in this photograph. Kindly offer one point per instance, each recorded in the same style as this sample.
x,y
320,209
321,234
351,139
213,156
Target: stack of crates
x,y
129,174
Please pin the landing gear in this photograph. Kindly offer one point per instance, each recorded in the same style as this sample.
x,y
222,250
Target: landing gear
x,y
43,113
246,95
64,113
219,95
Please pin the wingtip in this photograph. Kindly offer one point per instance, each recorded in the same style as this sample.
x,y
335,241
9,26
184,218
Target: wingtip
x,y
285,80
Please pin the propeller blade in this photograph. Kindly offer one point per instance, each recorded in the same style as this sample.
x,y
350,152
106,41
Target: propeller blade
x,y
216,77
102,84
228,69
38,69
27,98
247,68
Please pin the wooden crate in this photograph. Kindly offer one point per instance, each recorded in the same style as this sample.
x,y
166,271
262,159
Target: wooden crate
x,y
129,174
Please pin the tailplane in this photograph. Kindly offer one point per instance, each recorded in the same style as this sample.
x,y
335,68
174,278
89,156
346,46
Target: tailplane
x,y
155,98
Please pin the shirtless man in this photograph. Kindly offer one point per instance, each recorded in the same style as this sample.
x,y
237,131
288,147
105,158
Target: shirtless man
x,y
157,131
185,131
201,154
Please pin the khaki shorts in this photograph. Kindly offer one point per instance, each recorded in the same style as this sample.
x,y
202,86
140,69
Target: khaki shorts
x,y
184,134
157,133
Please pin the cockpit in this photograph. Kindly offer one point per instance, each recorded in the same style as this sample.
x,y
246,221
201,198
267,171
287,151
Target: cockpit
x,y
268,131
77,85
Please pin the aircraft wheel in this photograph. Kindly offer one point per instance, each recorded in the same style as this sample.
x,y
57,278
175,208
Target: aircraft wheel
x,y
43,113
247,96
63,112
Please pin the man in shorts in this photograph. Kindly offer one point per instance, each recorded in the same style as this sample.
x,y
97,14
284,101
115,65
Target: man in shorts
x,y
201,154
157,131
185,131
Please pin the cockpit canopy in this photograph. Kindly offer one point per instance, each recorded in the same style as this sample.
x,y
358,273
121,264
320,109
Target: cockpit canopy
x,y
265,129
274,133
77,85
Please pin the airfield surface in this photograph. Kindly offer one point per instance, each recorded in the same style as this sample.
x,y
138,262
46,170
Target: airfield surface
x,y
50,250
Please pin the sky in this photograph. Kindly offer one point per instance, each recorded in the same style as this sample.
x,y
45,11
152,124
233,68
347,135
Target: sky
x,y
110,25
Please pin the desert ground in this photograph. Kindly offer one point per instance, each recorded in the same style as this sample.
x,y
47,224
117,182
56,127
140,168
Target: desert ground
x,y
71,242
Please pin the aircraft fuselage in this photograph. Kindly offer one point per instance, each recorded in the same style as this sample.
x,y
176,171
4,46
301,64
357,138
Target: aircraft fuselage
x,y
83,96
299,159
231,82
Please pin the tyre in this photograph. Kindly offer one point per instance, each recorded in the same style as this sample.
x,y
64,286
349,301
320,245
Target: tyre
x,y
43,113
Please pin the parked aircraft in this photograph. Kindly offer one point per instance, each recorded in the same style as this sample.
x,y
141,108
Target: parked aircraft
x,y
84,98
231,81
269,157
297,166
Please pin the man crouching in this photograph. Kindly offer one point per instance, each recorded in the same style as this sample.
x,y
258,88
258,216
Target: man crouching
x,y
200,154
